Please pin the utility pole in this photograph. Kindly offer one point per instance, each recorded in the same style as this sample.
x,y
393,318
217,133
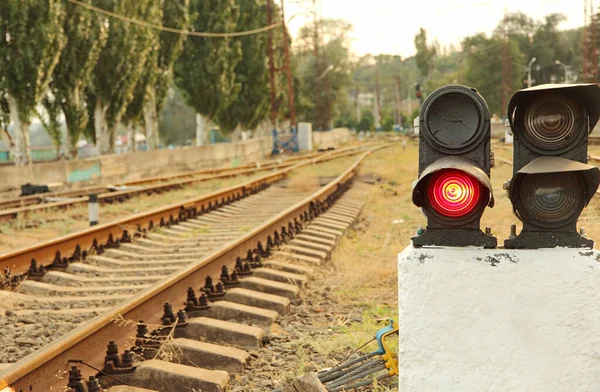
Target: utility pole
x,y
327,106
317,67
288,70
357,89
271,65
377,98
377,117
398,100
585,41
529,71
590,55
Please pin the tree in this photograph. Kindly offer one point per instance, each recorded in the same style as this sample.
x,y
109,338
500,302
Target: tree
x,y
425,53
177,119
251,106
5,120
146,84
86,33
327,81
51,121
205,71
484,67
175,15
367,121
31,39
549,45
519,27
119,68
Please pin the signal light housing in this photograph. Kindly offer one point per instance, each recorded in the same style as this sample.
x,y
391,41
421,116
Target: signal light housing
x,y
454,187
552,182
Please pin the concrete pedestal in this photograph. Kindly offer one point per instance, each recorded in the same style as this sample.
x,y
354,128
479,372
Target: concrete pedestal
x,y
499,320
305,139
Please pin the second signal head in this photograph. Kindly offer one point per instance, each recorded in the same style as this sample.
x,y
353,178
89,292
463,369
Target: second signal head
x,y
552,182
454,187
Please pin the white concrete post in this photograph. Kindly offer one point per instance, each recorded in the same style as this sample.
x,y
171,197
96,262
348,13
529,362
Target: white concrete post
x,y
499,320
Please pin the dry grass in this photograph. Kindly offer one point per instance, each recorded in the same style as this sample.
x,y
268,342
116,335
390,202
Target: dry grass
x,y
307,178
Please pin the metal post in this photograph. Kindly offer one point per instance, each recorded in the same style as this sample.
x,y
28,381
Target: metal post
x,y
529,72
377,99
93,209
317,67
558,62
398,101
288,70
271,64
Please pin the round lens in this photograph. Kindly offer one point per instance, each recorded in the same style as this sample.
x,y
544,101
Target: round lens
x,y
453,120
551,123
551,197
453,193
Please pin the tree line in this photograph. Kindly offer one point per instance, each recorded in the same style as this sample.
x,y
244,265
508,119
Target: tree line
x,y
515,41
104,66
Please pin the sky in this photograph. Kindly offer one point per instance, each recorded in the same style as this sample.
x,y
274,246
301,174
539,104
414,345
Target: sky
x,y
389,26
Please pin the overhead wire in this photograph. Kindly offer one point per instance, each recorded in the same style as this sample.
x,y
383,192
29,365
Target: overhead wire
x,y
170,29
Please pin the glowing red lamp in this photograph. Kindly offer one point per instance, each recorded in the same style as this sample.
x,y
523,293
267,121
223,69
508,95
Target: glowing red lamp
x,y
453,193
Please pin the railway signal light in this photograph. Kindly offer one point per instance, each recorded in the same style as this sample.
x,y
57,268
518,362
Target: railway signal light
x,y
454,188
552,182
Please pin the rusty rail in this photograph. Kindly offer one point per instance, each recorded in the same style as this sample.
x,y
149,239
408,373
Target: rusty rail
x,y
81,197
25,201
38,371
76,246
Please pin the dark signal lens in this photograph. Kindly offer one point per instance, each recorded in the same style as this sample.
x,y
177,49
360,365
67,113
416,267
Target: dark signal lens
x,y
552,123
453,193
453,120
552,198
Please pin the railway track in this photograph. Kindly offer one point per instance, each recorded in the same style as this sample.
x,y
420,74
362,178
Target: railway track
x,y
58,252
256,258
10,209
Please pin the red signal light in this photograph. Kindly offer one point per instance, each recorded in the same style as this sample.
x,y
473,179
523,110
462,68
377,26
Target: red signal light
x,y
453,193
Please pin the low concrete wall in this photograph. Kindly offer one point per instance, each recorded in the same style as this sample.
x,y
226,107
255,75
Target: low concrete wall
x,y
332,138
127,167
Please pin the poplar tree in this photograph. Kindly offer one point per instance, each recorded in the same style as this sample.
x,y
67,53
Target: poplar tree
x,y
4,120
149,76
176,14
31,39
119,68
86,32
205,71
251,105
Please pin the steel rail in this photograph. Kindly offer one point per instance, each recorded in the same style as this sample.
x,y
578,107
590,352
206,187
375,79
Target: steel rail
x,y
12,213
74,245
108,196
25,201
38,371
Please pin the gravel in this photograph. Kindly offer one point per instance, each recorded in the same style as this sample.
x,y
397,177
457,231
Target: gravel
x,y
23,335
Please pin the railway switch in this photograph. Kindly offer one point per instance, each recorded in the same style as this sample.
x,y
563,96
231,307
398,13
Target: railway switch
x,y
552,182
454,188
